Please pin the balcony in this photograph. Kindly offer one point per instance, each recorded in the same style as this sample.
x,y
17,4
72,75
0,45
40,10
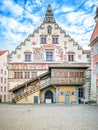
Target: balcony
x,y
68,80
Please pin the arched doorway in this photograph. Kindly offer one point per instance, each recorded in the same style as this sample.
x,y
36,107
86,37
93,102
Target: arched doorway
x,y
48,96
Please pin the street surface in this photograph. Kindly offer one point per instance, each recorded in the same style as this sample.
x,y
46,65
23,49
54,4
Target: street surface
x,y
48,117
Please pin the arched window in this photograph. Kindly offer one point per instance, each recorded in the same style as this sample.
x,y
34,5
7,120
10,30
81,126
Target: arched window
x,y
96,49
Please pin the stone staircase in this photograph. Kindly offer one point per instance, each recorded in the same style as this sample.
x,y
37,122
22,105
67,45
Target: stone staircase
x,y
32,90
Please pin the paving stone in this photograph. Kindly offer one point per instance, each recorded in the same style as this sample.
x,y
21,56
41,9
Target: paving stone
x,y
48,117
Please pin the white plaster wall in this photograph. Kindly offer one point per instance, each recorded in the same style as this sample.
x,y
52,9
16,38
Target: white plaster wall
x,y
3,66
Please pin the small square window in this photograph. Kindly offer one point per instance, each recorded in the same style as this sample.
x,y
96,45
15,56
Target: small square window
x,y
62,93
88,56
55,40
72,93
28,57
70,57
43,40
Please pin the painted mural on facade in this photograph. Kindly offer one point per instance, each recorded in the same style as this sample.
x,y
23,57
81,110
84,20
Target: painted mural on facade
x,y
47,46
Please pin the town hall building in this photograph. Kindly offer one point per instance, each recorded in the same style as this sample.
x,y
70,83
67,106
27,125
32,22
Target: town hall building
x,y
49,66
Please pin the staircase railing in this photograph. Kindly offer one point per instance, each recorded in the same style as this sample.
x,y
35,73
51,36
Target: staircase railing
x,y
31,91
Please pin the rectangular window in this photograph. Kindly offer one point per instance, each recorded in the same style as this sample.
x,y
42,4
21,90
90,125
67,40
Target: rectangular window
x,y
18,75
1,71
62,93
5,72
49,55
81,93
81,74
21,75
1,89
15,75
72,74
34,74
4,98
4,89
55,40
1,80
96,49
43,40
27,75
4,80
70,57
77,74
88,56
27,57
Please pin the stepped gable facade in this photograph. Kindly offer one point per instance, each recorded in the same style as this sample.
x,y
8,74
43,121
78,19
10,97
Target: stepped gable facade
x,y
47,47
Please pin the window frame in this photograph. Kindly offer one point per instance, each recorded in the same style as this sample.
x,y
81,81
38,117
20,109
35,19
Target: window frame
x,y
43,40
18,75
71,57
27,74
27,57
96,49
81,93
55,40
49,55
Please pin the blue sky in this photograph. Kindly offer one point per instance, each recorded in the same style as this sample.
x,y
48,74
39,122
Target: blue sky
x,y
19,18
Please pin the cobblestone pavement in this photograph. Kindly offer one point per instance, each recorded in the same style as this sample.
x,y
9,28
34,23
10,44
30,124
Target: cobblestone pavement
x,y
48,117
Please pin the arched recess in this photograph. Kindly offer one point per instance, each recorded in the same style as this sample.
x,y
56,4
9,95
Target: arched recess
x,y
48,96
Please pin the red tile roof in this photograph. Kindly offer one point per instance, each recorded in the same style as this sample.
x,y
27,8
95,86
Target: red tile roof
x,y
87,51
2,52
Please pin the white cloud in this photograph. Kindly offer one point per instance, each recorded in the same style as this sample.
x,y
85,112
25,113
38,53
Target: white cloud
x,y
78,25
28,6
89,3
65,9
35,18
79,34
88,22
38,2
15,30
75,16
14,8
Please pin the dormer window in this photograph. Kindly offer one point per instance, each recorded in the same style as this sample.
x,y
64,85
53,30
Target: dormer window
x,y
55,40
43,39
27,56
71,55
